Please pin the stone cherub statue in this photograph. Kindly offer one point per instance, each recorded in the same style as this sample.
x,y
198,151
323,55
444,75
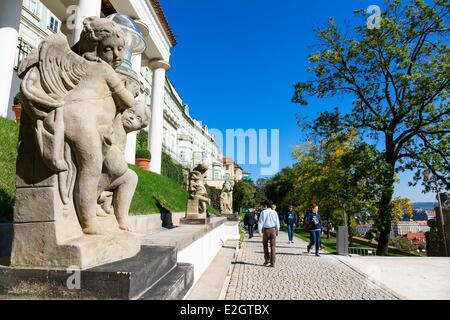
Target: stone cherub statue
x,y
226,198
117,183
197,189
76,104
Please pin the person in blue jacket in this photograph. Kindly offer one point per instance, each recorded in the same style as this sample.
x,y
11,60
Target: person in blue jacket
x,y
290,219
314,223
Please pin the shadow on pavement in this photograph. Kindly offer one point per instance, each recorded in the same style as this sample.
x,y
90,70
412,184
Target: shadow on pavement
x,y
248,263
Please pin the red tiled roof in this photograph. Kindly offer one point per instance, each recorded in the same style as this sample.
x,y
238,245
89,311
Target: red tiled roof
x,y
228,160
415,235
162,17
422,223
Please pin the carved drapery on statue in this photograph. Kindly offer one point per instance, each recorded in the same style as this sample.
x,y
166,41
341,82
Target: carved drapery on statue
x,y
226,198
198,200
77,113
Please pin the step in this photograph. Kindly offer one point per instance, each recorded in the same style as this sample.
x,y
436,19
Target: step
x,y
144,270
125,279
174,285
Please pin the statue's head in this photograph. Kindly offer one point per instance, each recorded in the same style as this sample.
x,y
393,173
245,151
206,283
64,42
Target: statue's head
x,y
136,118
202,168
102,39
227,185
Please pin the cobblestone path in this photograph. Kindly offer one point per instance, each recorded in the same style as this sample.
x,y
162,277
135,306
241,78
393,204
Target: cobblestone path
x,y
297,275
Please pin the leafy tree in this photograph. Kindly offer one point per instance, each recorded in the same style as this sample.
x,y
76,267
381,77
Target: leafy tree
x,y
279,189
403,243
338,172
243,195
398,76
260,194
401,206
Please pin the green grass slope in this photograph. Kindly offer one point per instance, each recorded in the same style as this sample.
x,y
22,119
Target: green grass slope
x,y
9,132
154,193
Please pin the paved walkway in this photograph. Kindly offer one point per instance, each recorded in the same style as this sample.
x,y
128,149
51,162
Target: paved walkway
x,y
297,275
424,278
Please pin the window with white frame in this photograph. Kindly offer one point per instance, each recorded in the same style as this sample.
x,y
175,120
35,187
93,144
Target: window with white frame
x,y
31,5
182,155
53,24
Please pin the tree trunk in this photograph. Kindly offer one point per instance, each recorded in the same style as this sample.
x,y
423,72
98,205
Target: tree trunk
x,y
350,231
384,211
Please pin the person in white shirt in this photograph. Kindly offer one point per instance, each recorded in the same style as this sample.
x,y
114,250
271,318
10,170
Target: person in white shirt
x,y
269,227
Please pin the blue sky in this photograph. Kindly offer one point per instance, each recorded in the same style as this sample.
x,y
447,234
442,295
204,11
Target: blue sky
x,y
236,61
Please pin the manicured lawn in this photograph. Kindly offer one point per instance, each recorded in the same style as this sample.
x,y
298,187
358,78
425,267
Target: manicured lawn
x,y
153,191
328,244
9,132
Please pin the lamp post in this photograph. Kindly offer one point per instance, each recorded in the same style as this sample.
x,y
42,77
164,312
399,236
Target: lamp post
x,y
427,176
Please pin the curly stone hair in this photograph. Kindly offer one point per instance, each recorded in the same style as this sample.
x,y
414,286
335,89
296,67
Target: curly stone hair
x,y
94,31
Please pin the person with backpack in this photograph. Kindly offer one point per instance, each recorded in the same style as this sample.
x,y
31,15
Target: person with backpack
x,y
249,221
313,224
290,219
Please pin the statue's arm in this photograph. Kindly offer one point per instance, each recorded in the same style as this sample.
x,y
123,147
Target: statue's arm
x,y
124,97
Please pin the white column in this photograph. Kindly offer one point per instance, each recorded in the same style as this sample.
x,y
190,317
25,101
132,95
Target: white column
x,y
130,150
159,68
86,8
10,11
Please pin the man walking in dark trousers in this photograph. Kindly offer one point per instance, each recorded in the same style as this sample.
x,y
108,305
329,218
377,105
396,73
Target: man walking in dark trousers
x,y
269,226
249,221
290,219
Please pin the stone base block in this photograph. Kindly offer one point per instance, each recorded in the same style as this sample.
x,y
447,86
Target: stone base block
x,y
37,245
192,206
230,216
195,220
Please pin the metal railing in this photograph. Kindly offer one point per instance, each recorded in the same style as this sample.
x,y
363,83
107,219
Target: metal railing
x,y
362,251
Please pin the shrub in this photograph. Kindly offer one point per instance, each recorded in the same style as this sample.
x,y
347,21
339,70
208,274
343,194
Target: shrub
x,y
403,243
143,153
142,140
18,98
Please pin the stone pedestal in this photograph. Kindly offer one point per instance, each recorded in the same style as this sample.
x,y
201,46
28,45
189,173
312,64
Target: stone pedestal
x,y
192,215
230,216
342,240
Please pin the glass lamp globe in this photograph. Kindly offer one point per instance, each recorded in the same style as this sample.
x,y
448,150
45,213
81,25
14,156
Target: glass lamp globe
x,y
135,39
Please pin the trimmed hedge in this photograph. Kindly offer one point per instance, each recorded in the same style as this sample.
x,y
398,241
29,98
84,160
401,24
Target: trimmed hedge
x,y
214,195
171,170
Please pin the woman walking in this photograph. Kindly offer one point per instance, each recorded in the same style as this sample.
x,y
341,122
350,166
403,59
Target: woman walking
x,y
314,223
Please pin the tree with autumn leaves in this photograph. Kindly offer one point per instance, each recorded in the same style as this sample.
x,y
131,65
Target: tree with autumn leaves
x,y
398,77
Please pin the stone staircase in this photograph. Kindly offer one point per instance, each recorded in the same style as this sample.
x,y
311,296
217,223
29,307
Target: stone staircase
x,y
153,274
